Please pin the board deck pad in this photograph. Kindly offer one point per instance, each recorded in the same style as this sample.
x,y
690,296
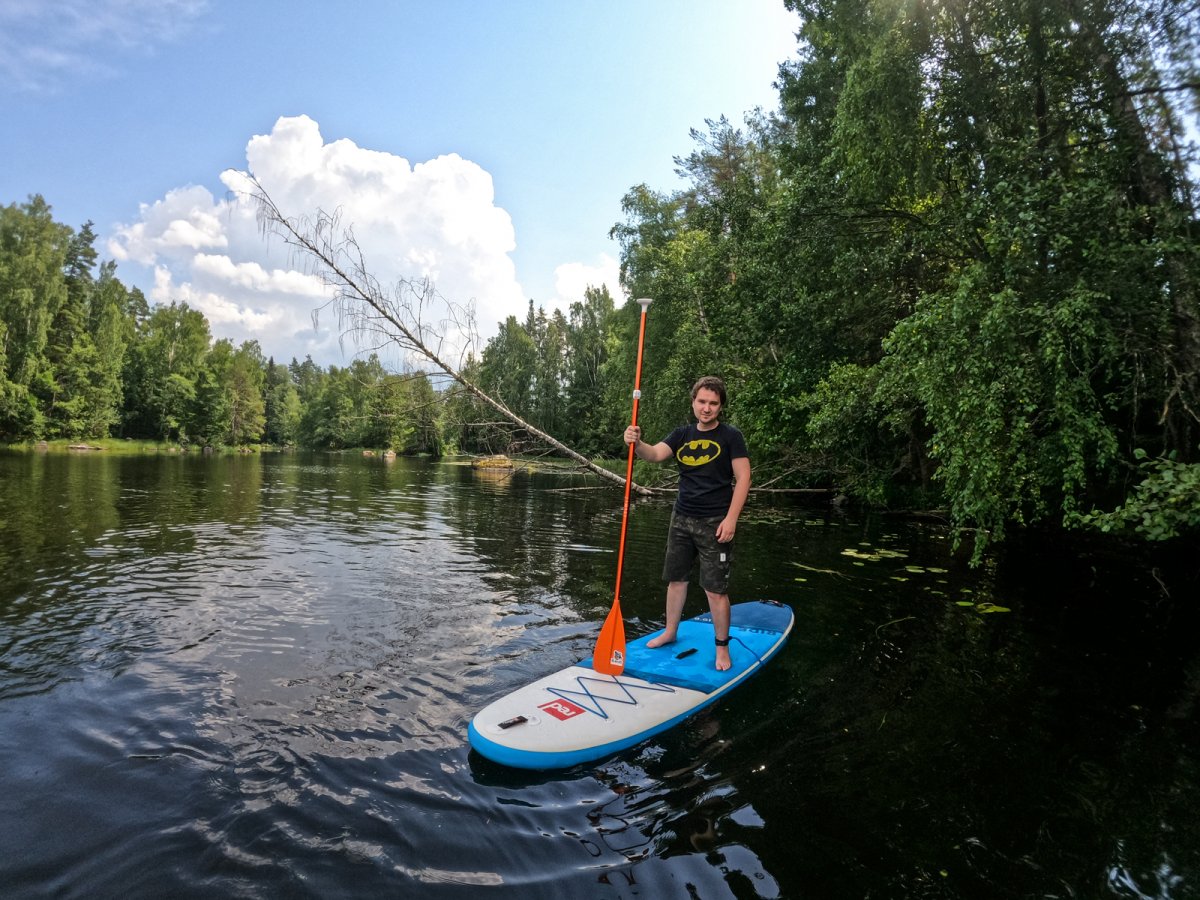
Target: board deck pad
x,y
689,662
576,715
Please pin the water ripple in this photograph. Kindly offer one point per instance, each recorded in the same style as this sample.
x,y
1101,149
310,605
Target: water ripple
x,y
251,677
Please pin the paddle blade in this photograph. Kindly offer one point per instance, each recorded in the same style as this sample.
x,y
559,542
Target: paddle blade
x,y
609,656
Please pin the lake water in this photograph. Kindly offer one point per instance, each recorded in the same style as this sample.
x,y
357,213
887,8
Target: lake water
x,y
251,676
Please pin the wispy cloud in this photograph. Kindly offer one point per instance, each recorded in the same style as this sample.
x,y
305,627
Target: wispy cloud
x,y
43,46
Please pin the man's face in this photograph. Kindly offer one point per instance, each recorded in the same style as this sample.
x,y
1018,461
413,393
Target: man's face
x,y
707,406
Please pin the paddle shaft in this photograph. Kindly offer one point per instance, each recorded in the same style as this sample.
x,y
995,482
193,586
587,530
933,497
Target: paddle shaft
x,y
637,396
609,656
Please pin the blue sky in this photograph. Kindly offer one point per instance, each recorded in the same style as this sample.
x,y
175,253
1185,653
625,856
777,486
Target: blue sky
x,y
486,144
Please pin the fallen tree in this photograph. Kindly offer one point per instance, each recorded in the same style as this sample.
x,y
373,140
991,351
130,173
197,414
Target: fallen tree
x,y
397,316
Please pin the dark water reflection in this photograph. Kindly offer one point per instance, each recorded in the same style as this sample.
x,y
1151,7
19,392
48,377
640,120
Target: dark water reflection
x,y
251,677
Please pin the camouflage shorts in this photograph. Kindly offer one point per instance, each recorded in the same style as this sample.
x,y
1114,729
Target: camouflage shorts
x,y
690,537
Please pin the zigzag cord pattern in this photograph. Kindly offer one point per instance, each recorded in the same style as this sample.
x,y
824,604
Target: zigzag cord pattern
x,y
582,696
585,694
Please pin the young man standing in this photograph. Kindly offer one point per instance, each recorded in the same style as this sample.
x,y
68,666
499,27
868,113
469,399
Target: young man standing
x,y
714,480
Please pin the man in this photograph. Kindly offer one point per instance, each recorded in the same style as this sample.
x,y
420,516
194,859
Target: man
x,y
714,480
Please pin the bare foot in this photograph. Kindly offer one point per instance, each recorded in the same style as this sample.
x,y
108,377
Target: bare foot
x,y
661,641
724,663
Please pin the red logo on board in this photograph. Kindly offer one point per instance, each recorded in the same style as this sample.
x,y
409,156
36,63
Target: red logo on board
x,y
562,709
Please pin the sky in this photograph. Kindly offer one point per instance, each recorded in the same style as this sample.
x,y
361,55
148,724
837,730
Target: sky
x,y
481,144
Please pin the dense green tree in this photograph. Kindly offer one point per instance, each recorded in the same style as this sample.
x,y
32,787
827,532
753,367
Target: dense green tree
x,y
112,317
244,385
330,420
376,407
208,420
550,340
78,394
282,406
1035,346
307,377
175,402
401,413
164,367
467,424
549,371
695,253
65,329
589,424
33,257
69,360
424,414
508,368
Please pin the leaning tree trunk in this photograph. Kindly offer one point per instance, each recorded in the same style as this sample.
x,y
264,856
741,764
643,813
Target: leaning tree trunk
x,y
332,253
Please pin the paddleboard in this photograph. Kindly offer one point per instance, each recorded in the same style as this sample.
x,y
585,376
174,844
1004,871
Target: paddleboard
x,y
577,715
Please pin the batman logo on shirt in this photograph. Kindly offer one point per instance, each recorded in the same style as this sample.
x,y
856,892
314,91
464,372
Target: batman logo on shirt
x,y
698,452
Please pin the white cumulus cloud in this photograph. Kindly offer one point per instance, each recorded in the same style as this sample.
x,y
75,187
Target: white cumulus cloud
x,y
437,220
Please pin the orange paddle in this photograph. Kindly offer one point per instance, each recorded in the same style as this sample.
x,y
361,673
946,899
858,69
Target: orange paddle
x,y
609,656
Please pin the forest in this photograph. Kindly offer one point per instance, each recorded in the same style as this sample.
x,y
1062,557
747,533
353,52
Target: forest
x,y
84,357
955,269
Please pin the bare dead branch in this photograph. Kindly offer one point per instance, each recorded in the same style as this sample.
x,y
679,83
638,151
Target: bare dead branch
x,y
399,317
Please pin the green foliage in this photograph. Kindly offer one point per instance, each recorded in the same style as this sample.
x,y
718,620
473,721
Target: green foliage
x,y
328,418
1017,426
1165,504
589,423
509,367
33,253
111,326
175,399
166,370
244,386
844,424
423,408
360,406
211,409
281,406
552,373
19,415
961,258
463,417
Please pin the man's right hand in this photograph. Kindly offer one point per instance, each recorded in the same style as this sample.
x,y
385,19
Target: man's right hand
x,y
633,434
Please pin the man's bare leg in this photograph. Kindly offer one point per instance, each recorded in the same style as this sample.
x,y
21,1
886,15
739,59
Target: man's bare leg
x,y
676,595
718,606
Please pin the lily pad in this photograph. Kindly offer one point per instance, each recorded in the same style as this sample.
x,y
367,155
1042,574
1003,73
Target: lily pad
x,y
986,607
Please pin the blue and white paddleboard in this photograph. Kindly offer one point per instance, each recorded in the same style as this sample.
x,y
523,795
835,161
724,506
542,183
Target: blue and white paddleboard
x,y
576,715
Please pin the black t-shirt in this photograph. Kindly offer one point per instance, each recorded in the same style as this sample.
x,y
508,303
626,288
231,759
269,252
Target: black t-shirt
x,y
705,460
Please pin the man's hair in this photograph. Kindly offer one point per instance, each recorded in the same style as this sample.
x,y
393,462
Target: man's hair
x,y
712,383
